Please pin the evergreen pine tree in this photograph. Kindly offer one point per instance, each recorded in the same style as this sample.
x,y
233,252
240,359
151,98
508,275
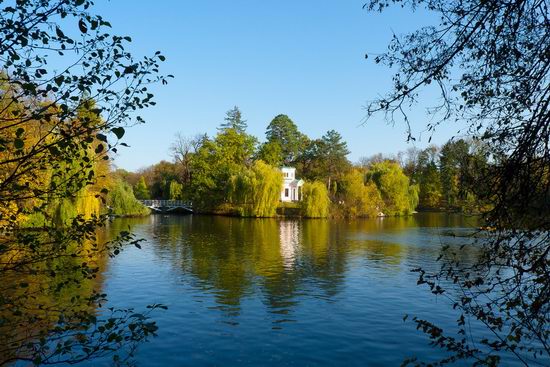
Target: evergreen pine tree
x,y
234,120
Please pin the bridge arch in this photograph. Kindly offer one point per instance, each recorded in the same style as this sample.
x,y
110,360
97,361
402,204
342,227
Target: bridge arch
x,y
166,206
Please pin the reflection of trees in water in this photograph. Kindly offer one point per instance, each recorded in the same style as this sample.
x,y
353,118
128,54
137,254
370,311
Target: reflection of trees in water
x,y
420,220
387,253
324,254
209,249
51,291
228,257
54,298
412,238
447,220
42,295
284,260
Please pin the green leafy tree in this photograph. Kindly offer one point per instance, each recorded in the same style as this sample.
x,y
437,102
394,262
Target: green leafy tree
x,y
334,151
283,131
414,197
215,162
421,167
310,162
359,199
394,187
235,148
426,174
175,190
161,175
206,191
131,178
141,191
84,201
315,200
122,202
325,159
430,186
158,177
271,153
454,165
256,190
462,165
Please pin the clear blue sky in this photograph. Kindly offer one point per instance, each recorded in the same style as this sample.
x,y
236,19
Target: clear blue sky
x,y
301,58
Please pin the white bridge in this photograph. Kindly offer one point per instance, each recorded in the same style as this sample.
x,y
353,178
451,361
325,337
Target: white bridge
x,y
166,206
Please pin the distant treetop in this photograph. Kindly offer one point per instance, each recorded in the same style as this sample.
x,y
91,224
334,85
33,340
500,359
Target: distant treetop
x,y
233,120
283,130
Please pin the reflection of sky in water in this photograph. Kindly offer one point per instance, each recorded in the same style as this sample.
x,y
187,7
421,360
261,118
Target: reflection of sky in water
x,y
283,293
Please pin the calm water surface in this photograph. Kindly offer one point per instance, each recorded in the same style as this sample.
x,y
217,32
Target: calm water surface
x,y
266,292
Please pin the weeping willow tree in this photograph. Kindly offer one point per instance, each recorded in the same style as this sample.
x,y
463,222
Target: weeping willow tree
x,y
315,200
397,194
65,210
122,202
359,199
86,161
414,197
175,190
255,191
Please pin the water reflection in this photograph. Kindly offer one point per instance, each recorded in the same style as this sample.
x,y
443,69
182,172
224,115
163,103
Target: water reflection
x,y
50,290
289,236
282,261
278,292
285,292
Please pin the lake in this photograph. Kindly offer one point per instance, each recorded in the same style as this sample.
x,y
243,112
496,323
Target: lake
x,y
250,292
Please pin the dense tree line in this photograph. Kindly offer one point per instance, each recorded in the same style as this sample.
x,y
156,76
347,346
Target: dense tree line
x,y
447,175
223,173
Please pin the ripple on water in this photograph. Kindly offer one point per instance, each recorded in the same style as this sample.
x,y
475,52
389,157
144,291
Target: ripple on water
x,y
283,293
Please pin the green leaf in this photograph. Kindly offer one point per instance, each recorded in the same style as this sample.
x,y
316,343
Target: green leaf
x,y
82,26
118,131
18,143
59,80
59,33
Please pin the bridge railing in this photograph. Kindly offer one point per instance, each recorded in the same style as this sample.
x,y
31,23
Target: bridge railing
x,y
167,203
